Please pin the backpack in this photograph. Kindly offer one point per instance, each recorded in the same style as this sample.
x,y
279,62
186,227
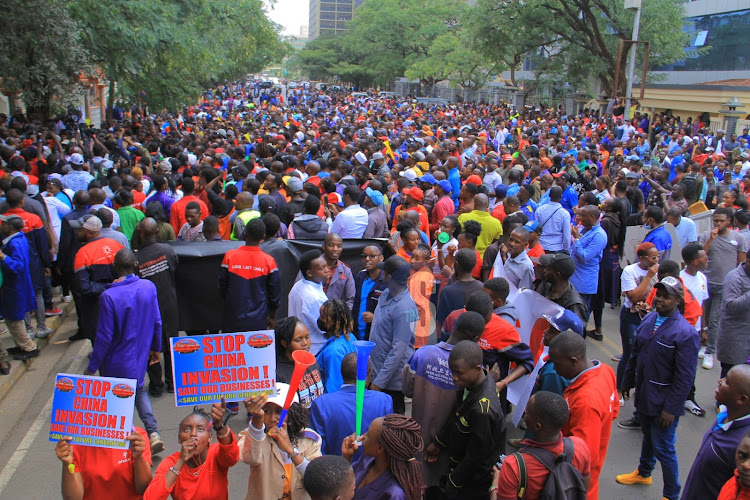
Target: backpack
x,y
691,186
564,481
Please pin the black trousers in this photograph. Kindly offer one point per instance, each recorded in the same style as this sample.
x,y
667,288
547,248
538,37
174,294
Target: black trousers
x,y
399,405
155,371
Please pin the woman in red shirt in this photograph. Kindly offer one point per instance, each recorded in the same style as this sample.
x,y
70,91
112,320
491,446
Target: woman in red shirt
x,y
199,469
92,473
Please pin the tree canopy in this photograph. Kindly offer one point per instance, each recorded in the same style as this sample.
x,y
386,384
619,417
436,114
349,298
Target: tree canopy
x,y
571,41
165,50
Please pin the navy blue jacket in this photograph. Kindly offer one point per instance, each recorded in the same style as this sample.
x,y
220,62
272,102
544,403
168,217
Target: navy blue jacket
x,y
249,283
372,298
662,365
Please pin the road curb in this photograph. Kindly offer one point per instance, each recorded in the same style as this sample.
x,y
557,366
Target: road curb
x,y
18,368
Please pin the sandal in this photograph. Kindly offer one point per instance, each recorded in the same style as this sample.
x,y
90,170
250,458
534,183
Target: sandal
x,y
4,368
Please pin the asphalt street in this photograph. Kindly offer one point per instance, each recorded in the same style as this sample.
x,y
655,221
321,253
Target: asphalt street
x,y
30,468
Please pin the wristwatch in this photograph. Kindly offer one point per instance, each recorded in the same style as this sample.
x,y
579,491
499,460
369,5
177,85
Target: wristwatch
x,y
294,453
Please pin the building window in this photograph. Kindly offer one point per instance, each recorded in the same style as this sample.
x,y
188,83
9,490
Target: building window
x,y
722,39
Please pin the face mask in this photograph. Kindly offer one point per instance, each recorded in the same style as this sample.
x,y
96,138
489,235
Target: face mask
x,y
321,325
647,226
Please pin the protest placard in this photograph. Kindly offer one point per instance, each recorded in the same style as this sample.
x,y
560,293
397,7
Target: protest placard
x,y
233,366
94,411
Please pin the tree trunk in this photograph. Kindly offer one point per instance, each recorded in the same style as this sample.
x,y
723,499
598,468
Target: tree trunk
x,y
110,102
40,112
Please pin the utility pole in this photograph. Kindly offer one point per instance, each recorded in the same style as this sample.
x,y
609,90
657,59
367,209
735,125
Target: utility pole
x,y
632,4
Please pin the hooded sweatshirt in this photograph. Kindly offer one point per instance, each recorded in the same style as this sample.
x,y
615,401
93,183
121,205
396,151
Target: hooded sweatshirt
x,y
309,227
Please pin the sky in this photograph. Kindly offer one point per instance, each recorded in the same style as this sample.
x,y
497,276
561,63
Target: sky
x,y
290,14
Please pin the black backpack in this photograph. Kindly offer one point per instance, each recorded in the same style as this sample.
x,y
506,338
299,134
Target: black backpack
x,y
564,481
691,186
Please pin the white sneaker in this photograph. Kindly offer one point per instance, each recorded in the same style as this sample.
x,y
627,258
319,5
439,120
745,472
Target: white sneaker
x,y
157,445
43,332
708,361
67,298
702,352
622,402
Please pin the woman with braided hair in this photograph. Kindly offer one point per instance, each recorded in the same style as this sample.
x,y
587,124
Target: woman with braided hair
x,y
336,323
388,468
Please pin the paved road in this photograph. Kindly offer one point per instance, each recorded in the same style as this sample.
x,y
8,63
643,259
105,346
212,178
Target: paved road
x,y
28,456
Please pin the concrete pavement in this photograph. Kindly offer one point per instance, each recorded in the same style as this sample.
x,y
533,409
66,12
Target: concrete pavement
x,y
29,456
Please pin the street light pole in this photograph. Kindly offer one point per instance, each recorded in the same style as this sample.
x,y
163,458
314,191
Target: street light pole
x,y
632,4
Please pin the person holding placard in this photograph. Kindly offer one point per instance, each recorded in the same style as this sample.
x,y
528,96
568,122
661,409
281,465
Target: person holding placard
x,y
199,469
277,465
91,472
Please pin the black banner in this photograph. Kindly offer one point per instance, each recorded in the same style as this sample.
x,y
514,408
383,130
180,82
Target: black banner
x,y
197,279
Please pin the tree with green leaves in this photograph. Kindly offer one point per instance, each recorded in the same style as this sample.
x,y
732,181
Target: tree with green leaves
x,y
173,49
576,40
385,38
42,55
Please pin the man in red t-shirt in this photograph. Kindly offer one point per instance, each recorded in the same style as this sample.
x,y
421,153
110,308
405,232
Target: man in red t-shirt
x,y
591,396
546,414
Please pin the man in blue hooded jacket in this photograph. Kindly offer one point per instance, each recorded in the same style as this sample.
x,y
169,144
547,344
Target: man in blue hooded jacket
x,y
17,292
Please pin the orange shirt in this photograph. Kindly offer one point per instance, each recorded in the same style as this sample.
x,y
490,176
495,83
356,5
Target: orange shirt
x,y
594,405
404,254
498,334
733,490
423,218
499,212
536,472
177,215
211,481
693,309
30,221
138,197
476,273
420,288
108,470
537,251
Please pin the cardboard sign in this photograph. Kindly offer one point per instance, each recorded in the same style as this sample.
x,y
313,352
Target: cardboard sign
x,y
95,411
233,366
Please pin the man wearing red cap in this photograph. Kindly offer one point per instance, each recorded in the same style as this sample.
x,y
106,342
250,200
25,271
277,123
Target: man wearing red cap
x,y
412,197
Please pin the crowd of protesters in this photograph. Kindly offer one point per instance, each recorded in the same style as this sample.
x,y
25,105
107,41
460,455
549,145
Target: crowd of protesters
x,y
464,204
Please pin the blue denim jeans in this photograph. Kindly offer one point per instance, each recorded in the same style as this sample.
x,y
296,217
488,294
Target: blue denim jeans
x,y
143,405
587,298
658,443
629,323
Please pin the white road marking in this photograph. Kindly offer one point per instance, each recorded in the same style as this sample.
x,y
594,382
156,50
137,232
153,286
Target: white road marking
x,y
15,461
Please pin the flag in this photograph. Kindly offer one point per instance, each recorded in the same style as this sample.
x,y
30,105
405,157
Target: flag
x,y
388,150
530,306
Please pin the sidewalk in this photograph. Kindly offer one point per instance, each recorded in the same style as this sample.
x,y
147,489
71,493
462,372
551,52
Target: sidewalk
x,y
18,368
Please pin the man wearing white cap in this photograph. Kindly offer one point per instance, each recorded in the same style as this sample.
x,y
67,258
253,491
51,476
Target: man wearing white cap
x,y
93,272
78,179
